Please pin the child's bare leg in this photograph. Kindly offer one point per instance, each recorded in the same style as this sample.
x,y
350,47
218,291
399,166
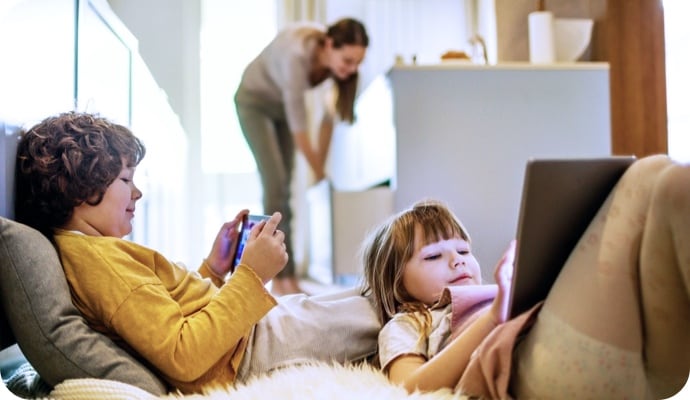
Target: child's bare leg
x,y
665,282
596,299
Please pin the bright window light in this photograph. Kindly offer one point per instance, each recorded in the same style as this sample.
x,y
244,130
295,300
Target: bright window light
x,y
677,36
232,34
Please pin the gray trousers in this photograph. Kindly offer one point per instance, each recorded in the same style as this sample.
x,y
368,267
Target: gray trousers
x,y
265,129
338,327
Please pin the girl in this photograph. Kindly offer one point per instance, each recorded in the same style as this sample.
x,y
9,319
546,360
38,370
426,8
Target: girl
x,y
270,102
615,324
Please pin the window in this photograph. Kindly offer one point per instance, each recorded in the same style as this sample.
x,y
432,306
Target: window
x,y
677,35
232,34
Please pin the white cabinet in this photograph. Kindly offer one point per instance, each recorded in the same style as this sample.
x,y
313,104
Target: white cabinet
x,y
464,133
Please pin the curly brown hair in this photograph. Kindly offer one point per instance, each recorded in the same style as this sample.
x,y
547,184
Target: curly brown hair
x,y
390,247
66,160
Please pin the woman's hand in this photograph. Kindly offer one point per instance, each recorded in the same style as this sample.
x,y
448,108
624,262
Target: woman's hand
x,y
265,251
319,174
503,275
220,257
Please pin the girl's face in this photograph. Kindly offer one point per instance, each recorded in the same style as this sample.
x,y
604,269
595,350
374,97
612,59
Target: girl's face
x,y
113,215
345,60
437,265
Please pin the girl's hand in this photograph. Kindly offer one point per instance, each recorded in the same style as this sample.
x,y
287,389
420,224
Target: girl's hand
x,y
220,257
265,251
503,275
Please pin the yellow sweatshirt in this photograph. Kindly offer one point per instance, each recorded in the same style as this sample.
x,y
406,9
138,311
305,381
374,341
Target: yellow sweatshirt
x,y
191,327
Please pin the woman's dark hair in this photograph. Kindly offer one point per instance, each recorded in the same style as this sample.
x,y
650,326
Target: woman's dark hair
x,y
347,32
67,160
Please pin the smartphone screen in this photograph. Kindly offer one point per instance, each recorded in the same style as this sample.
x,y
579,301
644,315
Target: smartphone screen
x,y
247,224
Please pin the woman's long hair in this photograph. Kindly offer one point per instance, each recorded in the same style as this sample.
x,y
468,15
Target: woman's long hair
x,y
347,32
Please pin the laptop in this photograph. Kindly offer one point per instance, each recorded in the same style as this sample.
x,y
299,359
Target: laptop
x,y
560,197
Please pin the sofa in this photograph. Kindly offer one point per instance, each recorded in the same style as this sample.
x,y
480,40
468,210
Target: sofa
x,y
37,314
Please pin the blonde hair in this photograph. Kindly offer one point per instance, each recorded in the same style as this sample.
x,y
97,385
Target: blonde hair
x,y
390,247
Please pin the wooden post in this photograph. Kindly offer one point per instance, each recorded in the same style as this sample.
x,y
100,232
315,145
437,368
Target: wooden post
x,y
636,54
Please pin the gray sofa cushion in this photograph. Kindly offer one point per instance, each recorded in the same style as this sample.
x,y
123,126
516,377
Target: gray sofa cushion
x,y
35,303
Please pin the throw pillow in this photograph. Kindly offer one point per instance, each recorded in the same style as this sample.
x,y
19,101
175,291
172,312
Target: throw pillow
x,y
35,300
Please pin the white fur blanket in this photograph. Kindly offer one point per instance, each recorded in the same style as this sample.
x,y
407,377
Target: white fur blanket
x,y
313,381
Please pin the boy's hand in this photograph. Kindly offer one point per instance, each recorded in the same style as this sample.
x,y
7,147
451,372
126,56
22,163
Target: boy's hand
x,y
265,251
220,257
503,275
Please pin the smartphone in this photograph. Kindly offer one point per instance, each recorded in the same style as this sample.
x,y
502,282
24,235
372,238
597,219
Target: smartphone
x,y
247,224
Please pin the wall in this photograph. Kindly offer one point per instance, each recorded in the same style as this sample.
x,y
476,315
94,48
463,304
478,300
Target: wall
x,y
629,35
464,134
511,16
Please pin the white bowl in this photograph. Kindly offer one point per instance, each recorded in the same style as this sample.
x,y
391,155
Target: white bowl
x,y
572,37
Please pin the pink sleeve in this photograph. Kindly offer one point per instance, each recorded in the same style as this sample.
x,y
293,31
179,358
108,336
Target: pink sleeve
x,y
488,373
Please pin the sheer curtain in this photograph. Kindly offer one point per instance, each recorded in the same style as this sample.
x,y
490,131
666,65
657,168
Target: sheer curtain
x,y
300,10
